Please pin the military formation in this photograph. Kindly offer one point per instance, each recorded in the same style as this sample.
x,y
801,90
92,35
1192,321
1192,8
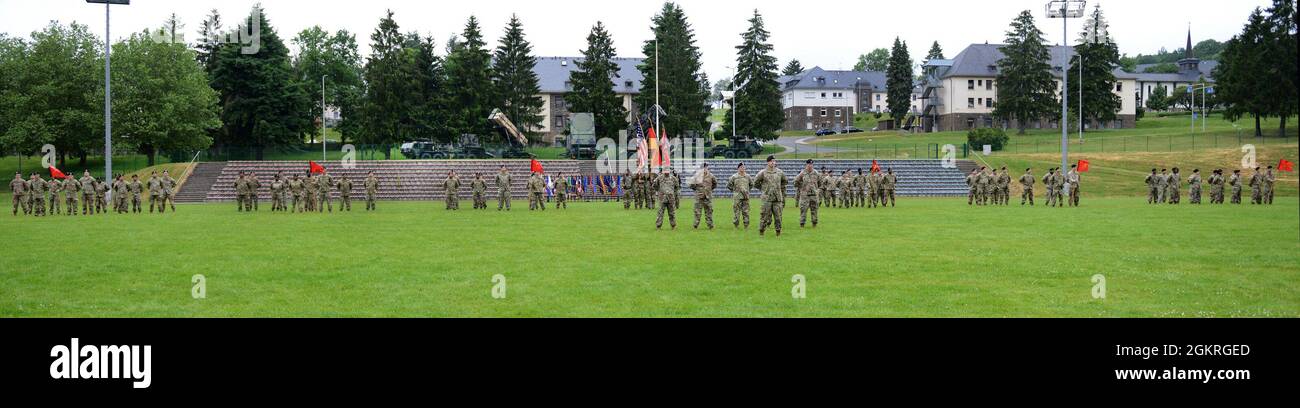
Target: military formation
x,y
992,187
536,187
1165,187
312,192
38,197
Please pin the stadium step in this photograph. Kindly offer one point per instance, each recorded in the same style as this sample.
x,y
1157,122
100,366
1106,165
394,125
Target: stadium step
x,y
200,181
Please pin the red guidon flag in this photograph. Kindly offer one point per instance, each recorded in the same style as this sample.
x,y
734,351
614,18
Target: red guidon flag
x,y
1083,166
1286,166
875,167
316,168
535,166
55,173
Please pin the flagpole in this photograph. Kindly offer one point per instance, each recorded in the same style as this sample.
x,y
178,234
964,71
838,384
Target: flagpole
x,y
658,126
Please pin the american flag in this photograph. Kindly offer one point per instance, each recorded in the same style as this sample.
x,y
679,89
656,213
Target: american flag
x,y
641,149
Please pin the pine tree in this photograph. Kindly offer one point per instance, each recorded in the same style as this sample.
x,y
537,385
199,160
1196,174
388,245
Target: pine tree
x,y
1100,56
1282,57
898,82
593,84
1241,75
264,104
758,100
936,52
471,93
1026,89
679,70
429,116
515,79
209,41
793,68
391,87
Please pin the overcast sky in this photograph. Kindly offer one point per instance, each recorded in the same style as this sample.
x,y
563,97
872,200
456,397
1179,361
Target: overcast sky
x,y
826,33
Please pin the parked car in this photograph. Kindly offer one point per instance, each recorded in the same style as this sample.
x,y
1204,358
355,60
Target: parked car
x,y
851,129
825,132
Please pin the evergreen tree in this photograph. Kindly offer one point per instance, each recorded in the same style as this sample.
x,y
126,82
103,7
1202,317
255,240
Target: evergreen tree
x,y
1159,99
428,116
758,99
1026,90
1282,58
264,106
593,85
936,52
793,68
1100,56
679,71
1241,75
898,82
209,42
471,93
515,79
392,88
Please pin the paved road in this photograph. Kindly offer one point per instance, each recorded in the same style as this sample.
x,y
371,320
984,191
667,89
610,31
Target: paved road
x,y
804,144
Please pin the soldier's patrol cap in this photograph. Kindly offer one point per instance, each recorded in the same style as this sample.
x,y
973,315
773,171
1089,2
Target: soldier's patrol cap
x,y
771,158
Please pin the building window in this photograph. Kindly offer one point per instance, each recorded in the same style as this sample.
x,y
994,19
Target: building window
x,y
809,125
970,84
970,123
810,112
838,113
823,112
988,85
559,122
988,103
1119,87
823,95
970,102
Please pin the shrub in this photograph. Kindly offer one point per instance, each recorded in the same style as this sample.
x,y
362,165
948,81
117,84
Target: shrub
x,y
979,137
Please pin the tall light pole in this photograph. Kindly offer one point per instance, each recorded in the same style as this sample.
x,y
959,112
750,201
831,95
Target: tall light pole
x,y
1065,10
108,89
323,154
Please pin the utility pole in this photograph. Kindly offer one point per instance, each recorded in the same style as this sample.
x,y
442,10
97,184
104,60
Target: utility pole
x,y
1064,10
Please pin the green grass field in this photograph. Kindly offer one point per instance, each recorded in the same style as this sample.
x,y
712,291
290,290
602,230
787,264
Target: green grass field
x,y
926,258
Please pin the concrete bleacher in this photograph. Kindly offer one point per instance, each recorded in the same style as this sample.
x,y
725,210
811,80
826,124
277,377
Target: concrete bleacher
x,y
400,180
417,180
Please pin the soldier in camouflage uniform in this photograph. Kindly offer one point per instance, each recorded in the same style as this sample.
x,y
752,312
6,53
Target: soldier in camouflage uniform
x,y
703,185
1235,182
296,187
1058,182
155,191
71,189
324,183
561,192
823,183
1256,187
536,188
1216,186
860,189
982,190
1153,193
451,187
241,192
478,191
87,188
1194,187
808,183
372,188
1049,182
120,192
254,185
1174,186
36,190
1072,180
345,194
53,187
629,189
101,193
277,192
971,178
771,182
503,189
666,186
846,189
169,190
677,189
1027,187
740,185
891,183
1004,186
135,187
18,187
1269,180
309,195
1162,186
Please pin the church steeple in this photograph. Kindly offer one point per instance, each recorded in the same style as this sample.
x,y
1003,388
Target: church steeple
x,y
1189,63
1188,51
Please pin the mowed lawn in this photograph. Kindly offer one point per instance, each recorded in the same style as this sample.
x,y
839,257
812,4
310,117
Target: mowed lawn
x,y
926,258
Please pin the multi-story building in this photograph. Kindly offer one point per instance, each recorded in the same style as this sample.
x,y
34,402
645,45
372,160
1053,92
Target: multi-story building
x,y
824,99
961,93
1190,71
553,79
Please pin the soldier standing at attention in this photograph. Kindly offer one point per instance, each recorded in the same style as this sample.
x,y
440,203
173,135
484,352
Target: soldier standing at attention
x,y
974,189
309,194
1072,183
1047,183
703,185
451,187
120,192
823,187
1175,186
503,189
1194,187
1216,186
1058,182
36,190
1235,182
155,191
345,194
253,186
87,193
740,184
1004,186
562,192
135,188
860,189
72,189
666,187
1162,186
372,188
807,183
1256,187
1269,180
294,184
677,188
325,183
771,182
982,181
627,184
101,191
1027,187
277,188
241,192
19,188
536,188
478,189
169,190
53,187
1152,193
846,189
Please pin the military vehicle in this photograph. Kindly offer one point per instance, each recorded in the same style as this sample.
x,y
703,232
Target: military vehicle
x,y
582,137
467,147
738,148
515,140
